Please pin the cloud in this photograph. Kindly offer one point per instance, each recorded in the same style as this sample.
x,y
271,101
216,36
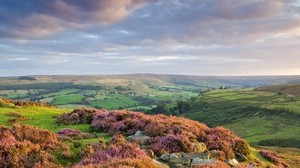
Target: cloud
x,y
209,37
35,18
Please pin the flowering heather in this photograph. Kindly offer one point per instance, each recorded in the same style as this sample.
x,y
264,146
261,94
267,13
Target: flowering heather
x,y
29,146
273,157
79,116
170,133
224,140
171,144
218,164
118,153
73,134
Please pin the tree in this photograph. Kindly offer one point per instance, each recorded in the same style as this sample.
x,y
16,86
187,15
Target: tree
x,y
183,106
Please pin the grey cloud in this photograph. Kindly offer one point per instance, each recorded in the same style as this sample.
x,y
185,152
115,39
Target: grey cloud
x,y
35,18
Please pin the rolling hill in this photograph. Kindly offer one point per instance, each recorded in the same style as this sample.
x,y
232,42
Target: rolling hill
x,y
37,135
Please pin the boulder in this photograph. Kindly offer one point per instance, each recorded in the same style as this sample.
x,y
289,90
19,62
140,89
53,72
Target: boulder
x,y
232,162
168,157
198,161
139,137
214,154
182,161
196,155
199,147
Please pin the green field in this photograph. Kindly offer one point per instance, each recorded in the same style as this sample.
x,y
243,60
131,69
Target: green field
x,y
252,114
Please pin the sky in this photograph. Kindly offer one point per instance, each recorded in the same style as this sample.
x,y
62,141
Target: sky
x,y
191,37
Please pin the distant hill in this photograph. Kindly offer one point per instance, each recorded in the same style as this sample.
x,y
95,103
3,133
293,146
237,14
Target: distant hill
x,y
158,79
292,89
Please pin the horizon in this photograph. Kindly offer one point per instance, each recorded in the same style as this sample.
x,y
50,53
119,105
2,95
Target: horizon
x,y
178,37
148,74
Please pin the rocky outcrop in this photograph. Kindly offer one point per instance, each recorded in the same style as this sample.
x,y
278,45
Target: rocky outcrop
x,y
139,136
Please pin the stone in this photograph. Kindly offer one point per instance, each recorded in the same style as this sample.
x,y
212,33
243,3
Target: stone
x,y
196,155
214,154
199,147
183,161
139,137
165,157
139,133
198,161
232,162
240,157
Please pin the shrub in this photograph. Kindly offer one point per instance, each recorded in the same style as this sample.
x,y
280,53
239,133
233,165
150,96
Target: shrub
x,y
78,116
67,133
170,133
171,144
218,164
273,157
16,117
117,153
28,146
224,140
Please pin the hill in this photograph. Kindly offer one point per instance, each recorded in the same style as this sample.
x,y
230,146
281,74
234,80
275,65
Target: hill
x,y
261,116
293,89
137,91
42,136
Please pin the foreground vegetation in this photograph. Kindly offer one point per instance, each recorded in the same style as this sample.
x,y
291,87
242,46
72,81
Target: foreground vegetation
x,y
89,138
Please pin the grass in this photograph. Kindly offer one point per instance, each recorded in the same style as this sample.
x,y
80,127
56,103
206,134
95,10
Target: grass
x,y
67,99
251,114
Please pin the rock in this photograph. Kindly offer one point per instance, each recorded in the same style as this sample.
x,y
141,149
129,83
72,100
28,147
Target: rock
x,y
232,162
139,133
196,155
241,157
165,157
198,161
173,155
159,164
183,161
199,147
139,137
214,154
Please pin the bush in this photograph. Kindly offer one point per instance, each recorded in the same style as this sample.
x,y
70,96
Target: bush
x,y
171,134
67,133
224,140
273,157
78,116
117,153
28,146
170,144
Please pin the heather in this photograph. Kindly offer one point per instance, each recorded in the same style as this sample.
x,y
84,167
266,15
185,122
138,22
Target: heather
x,y
171,134
29,146
273,157
117,153
68,133
78,116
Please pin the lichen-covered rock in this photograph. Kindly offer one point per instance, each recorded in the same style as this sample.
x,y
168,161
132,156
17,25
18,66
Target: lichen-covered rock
x,y
198,161
199,147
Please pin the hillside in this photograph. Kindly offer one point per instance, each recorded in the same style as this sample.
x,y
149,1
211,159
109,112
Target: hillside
x,y
293,89
262,117
90,137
